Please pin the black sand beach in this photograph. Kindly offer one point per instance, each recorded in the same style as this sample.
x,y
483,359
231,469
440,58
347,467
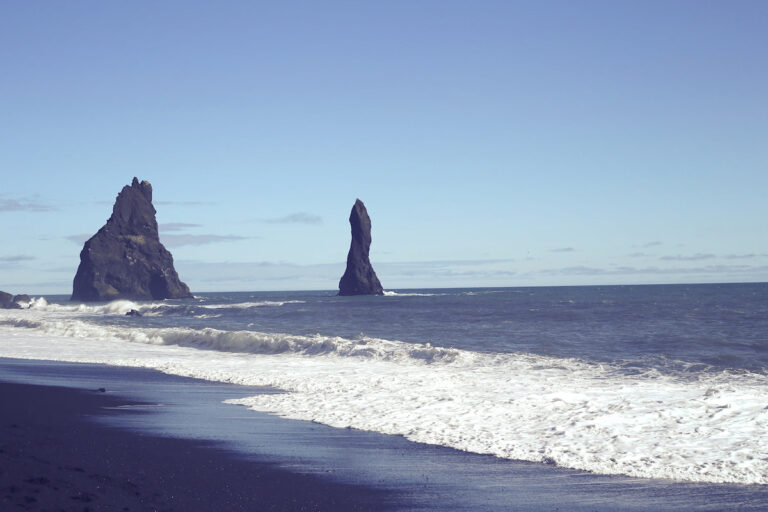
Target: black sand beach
x,y
53,458
159,442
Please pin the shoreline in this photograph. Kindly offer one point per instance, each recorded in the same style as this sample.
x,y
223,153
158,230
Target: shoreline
x,y
188,447
53,456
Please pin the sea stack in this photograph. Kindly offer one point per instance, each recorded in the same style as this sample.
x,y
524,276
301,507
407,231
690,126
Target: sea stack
x,y
359,278
125,259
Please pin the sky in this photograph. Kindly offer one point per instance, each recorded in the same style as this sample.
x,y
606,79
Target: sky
x,y
509,143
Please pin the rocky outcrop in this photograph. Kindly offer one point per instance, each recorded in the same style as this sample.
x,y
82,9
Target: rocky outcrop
x,y
22,299
8,301
359,278
125,259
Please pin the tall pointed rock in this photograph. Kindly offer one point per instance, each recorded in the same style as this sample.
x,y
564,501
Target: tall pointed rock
x,y
359,278
125,259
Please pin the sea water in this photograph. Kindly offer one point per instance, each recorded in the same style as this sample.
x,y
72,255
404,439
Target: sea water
x,y
645,381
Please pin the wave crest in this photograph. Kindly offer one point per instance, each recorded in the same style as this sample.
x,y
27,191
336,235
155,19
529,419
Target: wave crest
x,y
251,342
248,305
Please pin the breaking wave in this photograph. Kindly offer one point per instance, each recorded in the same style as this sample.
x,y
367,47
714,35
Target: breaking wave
x,y
388,293
707,426
247,305
251,342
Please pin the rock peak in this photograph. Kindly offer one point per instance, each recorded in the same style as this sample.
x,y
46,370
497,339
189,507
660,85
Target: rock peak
x,y
133,208
144,187
125,258
359,278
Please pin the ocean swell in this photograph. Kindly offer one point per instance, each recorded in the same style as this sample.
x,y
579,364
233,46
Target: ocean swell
x,y
251,342
702,426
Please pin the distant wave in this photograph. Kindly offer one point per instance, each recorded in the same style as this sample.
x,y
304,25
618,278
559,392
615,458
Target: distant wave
x,y
117,307
247,305
427,294
251,342
121,307
406,294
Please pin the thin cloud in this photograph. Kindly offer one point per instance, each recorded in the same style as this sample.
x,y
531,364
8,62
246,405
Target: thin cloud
x,y
638,255
694,257
451,262
708,269
41,288
68,268
173,240
79,239
740,256
14,261
447,273
296,218
184,203
651,244
177,226
16,258
579,270
325,276
23,205
181,240
563,249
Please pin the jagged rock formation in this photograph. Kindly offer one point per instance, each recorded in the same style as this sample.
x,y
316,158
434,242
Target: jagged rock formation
x,y
21,298
359,278
125,259
8,301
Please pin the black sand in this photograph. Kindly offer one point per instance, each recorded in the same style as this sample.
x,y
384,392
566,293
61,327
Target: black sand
x,y
53,458
159,442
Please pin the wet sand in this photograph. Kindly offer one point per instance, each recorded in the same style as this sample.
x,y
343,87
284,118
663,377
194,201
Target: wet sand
x,y
52,457
157,442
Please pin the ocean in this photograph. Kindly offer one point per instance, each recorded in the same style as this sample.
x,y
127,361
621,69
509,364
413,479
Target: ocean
x,y
663,382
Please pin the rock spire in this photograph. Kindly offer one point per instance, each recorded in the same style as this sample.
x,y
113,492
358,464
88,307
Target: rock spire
x,y
359,278
125,259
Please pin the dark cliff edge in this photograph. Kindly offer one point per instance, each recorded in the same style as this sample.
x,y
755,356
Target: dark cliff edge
x,y
125,259
359,277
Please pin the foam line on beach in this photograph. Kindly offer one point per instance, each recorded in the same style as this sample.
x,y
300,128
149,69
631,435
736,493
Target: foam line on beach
x,y
572,413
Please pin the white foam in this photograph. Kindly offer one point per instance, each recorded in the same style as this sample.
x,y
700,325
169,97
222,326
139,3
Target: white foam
x,y
709,427
117,307
388,293
39,302
253,342
246,305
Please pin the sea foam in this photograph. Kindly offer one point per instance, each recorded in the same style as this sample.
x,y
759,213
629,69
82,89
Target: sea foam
x,y
247,305
707,426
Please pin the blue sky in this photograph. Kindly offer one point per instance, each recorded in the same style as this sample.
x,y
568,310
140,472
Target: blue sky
x,y
494,143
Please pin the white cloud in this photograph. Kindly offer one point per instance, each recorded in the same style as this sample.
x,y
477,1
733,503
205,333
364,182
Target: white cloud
x,y
16,258
296,218
23,205
181,240
693,257
174,240
176,226
79,239
740,256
